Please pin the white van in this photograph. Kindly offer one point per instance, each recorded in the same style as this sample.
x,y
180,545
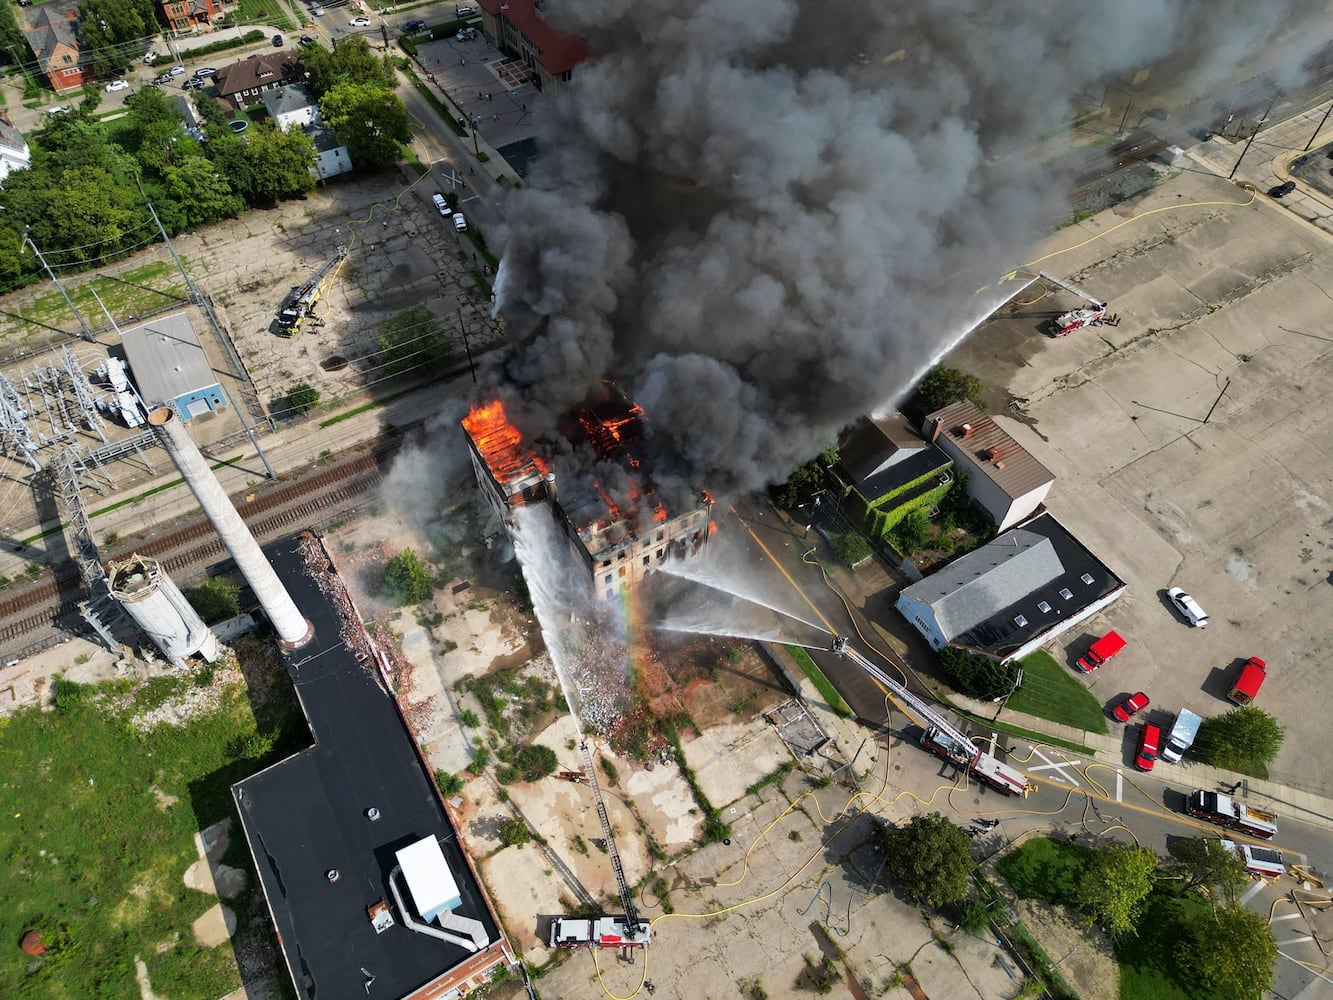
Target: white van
x,y
441,205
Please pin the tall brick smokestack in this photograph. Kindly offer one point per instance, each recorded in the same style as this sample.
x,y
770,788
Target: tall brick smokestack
x,y
293,629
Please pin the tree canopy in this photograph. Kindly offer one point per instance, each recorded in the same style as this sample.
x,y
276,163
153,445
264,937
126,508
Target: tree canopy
x,y
929,859
412,339
943,385
369,119
1245,739
111,31
215,600
353,61
1204,861
1230,955
407,579
978,675
1114,885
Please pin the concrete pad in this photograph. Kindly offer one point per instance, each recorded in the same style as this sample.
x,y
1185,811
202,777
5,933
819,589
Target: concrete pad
x,y
215,926
728,759
663,799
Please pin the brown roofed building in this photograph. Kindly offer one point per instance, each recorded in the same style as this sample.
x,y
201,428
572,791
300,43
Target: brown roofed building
x,y
1003,477
54,40
183,15
241,83
518,28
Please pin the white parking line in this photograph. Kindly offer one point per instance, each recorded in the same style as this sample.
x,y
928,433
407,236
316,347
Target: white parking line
x,y
1119,786
1296,940
1253,890
1288,916
1305,965
1059,769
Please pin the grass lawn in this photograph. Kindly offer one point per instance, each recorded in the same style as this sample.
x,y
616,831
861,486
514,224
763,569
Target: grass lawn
x,y
100,815
268,12
822,684
1050,691
133,293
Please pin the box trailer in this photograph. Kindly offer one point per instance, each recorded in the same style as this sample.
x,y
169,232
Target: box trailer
x,y
1181,736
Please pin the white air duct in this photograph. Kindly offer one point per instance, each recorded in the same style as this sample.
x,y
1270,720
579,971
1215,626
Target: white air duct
x,y
292,627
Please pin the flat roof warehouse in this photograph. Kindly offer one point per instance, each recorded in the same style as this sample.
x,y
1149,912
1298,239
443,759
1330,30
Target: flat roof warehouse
x,y
341,829
170,367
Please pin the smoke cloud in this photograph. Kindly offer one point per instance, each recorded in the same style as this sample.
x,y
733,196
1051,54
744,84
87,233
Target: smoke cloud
x,y
765,217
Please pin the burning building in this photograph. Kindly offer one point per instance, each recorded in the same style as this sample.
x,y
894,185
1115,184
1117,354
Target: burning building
x,y
621,533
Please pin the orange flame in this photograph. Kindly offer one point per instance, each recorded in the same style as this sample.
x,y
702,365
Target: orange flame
x,y
499,442
660,512
707,497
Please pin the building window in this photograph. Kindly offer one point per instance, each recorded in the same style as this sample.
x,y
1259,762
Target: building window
x,y
1066,593
661,535
607,581
647,560
622,570
1044,608
661,555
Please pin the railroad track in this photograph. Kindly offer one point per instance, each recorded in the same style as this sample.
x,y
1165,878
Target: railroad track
x,y
196,543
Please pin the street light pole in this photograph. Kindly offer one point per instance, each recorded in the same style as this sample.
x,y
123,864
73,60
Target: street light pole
x,y
1316,131
1257,126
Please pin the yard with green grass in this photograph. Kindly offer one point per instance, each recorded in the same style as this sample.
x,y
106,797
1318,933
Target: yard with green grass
x,y
101,806
822,684
1050,691
136,292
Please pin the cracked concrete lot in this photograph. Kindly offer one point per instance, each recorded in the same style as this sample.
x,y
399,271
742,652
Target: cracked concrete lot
x,y
1215,300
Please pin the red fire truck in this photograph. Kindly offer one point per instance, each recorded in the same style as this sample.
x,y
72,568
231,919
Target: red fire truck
x,y
1251,679
1226,811
1101,651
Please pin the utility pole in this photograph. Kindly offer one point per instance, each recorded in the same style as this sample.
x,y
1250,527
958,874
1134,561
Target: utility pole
x,y
27,242
1257,126
466,346
1128,108
1316,131
1217,400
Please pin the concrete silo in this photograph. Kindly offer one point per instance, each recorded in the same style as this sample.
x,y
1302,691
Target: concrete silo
x,y
159,608
293,629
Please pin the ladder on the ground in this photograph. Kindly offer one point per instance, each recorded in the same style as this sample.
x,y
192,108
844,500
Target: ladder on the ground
x,y
626,895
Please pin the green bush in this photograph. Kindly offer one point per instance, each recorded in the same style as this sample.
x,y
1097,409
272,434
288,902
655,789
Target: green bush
x,y
481,756
469,718
852,548
514,833
215,600
977,675
302,398
450,784
911,533
535,762
407,579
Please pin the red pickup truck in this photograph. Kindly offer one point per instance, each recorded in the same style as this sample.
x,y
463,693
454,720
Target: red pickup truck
x,y
1251,679
1101,651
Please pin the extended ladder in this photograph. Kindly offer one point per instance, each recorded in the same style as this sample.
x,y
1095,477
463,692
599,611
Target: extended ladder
x,y
626,896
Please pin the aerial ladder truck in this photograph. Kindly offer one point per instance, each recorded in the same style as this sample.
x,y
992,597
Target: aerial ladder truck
x,y
940,736
300,305
1093,314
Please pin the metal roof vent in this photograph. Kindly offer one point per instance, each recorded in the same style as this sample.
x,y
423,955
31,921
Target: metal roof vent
x,y
372,814
333,875
1020,621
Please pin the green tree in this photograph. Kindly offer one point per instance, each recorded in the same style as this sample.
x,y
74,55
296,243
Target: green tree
x,y
929,859
302,398
1114,885
1204,861
1245,739
450,784
369,119
912,532
978,675
200,191
514,833
807,480
13,43
1229,954
280,163
353,61
112,29
92,212
215,600
942,385
535,762
413,339
407,579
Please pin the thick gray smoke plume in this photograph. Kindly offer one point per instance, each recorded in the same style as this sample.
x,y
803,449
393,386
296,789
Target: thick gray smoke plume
x,y
763,216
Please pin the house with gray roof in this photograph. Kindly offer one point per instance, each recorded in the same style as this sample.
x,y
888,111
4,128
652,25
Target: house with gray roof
x,y
52,34
331,156
291,104
170,367
14,152
1014,594
1003,478
888,470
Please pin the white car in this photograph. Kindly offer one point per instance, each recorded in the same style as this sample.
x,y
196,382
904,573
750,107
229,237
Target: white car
x,y
176,70
441,205
1188,608
360,22
464,11
57,110
151,55
317,11
116,85
460,223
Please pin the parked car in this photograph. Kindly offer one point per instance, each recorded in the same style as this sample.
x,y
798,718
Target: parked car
x,y
464,11
412,26
205,71
317,11
441,205
277,41
460,223
1282,190
1130,707
306,40
176,70
466,34
58,110
149,56
116,85
192,84
1188,608
162,78
360,22
1150,739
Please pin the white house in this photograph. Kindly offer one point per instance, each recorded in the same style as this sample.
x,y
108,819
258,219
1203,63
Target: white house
x,y
1002,476
1014,594
331,156
291,105
14,154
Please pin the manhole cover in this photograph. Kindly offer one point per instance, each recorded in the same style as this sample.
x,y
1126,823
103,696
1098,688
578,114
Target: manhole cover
x,y
411,232
334,364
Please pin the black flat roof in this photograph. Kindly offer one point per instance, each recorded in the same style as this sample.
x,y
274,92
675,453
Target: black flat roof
x,y
307,814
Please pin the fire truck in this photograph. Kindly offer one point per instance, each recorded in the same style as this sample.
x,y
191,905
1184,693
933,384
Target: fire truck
x,y
300,305
1223,810
1101,651
1251,679
604,932
940,737
1265,862
1095,313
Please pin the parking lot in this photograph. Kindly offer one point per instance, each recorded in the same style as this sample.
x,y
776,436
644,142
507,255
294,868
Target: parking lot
x,y
1222,306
